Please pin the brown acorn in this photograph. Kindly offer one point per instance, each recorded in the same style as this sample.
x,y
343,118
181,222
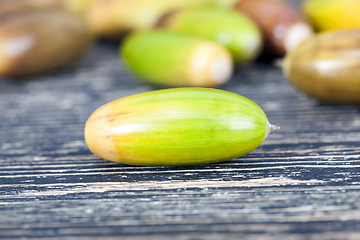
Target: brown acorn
x,y
282,26
37,41
327,66
8,8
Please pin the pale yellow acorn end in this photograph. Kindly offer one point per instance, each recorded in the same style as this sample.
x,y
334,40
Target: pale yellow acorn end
x,y
211,66
97,134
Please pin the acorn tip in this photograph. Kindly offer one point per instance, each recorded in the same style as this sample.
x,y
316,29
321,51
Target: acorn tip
x,y
274,128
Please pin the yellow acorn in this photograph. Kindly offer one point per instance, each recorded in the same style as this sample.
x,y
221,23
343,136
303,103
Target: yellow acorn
x,y
328,15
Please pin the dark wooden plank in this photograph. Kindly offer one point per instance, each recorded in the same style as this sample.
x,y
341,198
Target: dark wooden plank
x,y
303,182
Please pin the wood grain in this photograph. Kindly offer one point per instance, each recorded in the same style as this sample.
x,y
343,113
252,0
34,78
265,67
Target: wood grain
x,y
303,182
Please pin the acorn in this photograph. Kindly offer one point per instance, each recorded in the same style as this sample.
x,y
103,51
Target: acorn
x,y
170,59
116,18
327,67
234,31
73,6
176,127
38,41
328,15
8,8
225,3
282,26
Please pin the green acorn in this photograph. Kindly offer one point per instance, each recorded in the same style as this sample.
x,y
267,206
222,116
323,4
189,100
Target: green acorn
x,y
233,30
179,126
171,59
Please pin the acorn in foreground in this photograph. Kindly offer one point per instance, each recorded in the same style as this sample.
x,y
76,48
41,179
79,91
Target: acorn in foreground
x,y
170,59
327,67
233,30
174,127
282,26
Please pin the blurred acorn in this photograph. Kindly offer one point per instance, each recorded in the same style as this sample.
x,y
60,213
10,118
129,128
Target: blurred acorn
x,y
225,3
73,6
327,66
328,15
282,26
171,59
9,7
114,18
231,29
37,41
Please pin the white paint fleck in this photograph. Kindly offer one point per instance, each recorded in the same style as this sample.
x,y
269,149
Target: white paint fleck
x,y
88,211
67,104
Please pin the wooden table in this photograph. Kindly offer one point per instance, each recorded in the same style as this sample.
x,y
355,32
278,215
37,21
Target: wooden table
x,y
303,182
